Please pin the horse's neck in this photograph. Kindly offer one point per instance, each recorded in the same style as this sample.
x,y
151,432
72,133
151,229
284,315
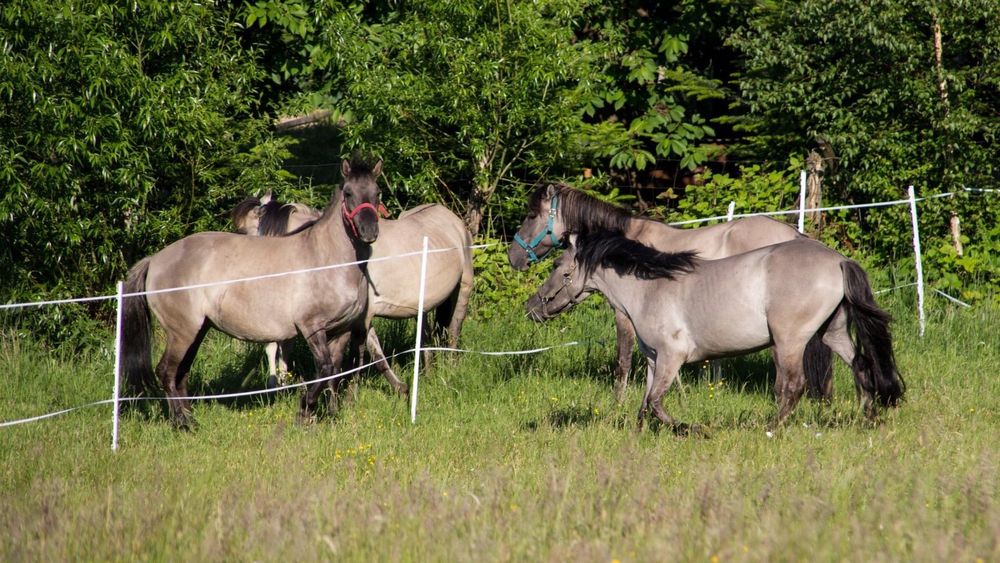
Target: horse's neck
x,y
328,237
624,293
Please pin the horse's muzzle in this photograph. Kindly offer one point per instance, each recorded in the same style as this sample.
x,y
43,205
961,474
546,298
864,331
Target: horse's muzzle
x,y
366,223
535,308
518,258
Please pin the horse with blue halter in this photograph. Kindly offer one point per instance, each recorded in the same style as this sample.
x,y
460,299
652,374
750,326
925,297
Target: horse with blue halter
x,y
229,281
687,310
555,210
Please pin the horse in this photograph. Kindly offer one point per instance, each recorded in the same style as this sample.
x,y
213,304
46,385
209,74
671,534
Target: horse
x,y
185,287
265,216
393,291
685,309
555,210
394,282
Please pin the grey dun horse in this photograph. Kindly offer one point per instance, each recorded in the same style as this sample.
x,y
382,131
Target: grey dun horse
x,y
265,216
394,284
327,307
556,210
687,310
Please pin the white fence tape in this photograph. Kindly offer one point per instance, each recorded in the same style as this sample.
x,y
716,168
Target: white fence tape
x,y
116,400
289,386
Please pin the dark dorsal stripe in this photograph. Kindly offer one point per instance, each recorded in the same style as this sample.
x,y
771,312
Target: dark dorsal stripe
x,y
627,257
582,212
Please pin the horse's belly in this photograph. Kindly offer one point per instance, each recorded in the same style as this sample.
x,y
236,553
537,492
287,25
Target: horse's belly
x,y
728,338
395,294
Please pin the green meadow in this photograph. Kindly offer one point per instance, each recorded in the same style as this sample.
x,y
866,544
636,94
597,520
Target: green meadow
x,y
512,458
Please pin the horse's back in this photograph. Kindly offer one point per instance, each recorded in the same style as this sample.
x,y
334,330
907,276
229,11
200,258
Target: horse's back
x,y
396,280
718,241
751,233
739,302
262,309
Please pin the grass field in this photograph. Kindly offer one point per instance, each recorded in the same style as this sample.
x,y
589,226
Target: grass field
x,y
512,458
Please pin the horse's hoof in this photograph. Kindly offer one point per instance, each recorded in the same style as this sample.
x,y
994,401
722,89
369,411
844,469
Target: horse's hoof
x,y
272,382
305,419
185,424
691,430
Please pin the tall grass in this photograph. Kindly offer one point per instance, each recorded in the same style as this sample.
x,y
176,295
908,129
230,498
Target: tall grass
x,y
512,458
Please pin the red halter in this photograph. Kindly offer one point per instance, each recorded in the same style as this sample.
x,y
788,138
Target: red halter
x,y
380,211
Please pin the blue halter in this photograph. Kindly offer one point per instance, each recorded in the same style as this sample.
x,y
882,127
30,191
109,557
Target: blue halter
x,y
549,231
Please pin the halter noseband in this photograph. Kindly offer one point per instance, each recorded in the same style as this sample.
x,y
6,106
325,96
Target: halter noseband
x,y
349,216
549,231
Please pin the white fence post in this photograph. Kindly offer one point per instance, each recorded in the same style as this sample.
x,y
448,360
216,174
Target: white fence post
x,y
118,367
420,332
732,209
916,252
802,202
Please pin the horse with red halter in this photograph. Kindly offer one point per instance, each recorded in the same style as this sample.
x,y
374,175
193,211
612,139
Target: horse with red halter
x,y
228,281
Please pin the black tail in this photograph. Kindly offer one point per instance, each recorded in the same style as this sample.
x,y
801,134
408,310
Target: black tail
x,y
137,331
873,340
818,365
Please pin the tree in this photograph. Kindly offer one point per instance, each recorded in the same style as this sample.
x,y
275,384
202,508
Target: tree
x,y
123,126
903,92
457,98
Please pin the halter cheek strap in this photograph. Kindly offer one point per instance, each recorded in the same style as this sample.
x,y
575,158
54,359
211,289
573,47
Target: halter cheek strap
x,y
549,231
380,211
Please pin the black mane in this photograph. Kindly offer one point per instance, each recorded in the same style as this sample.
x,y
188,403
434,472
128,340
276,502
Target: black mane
x,y
273,221
627,257
582,212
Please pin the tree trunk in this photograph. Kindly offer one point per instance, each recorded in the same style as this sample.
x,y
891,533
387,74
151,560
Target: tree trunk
x,y
814,188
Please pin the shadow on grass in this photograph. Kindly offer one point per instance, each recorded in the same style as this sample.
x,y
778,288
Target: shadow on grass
x,y
565,417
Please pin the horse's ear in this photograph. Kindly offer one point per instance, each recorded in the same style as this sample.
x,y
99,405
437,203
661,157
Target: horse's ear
x,y
266,198
377,169
551,191
345,168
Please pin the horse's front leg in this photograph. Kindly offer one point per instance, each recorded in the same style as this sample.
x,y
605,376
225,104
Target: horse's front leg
x,y
625,333
316,339
339,351
666,370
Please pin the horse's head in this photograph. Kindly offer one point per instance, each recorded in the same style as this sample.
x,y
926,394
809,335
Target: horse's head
x,y
540,231
565,287
245,216
361,201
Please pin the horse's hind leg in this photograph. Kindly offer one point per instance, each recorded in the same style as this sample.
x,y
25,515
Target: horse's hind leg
x,y
839,340
271,351
382,365
173,370
790,379
461,303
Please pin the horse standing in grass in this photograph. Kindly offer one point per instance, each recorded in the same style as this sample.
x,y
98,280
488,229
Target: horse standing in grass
x,y
555,210
394,283
326,306
687,310
265,216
